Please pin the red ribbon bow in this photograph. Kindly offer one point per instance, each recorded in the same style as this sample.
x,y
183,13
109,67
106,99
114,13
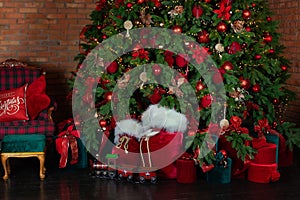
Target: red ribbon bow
x,y
235,125
65,140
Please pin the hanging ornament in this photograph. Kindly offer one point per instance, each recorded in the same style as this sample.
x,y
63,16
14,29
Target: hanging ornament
x,y
102,123
219,47
275,101
245,83
108,96
178,10
174,88
234,48
143,78
257,57
200,86
269,19
227,65
112,68
237,26
177,29
156,69
123,81
146,18
246,14
256,88
267,37
140,1
197,11
238,94
128,25
221,27
129,5
272,51
248,29
203,37
206,101
283,67
181,61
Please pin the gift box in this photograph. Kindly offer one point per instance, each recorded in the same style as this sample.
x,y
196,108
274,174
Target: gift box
x,y
238,167
263,173
186,171
71,149
266,152
266,155
220,174
275,140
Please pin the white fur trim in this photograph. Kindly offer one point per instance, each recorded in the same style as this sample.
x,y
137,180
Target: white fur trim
x,y
128,126
163,118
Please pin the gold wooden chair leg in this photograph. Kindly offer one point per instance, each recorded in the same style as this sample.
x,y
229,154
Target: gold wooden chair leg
x,y
42,166
4,160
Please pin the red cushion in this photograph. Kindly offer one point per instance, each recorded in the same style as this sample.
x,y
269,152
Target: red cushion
x,y
37,99
13,104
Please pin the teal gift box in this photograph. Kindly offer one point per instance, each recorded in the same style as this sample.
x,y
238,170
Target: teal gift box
x,y
275,140
221,173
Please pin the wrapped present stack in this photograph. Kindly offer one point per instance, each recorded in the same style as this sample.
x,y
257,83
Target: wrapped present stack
x,y
264,167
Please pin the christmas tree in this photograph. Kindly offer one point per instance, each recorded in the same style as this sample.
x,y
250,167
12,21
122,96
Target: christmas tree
x,y
238,81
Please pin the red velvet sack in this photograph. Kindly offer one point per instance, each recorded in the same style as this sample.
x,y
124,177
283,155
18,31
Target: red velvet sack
x,y
161,149
260,173
128,150
239,166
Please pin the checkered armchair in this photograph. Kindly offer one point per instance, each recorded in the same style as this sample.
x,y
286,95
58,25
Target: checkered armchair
x,y
25,114
14,74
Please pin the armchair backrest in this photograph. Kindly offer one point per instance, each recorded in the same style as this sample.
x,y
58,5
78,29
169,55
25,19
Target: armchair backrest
x,y
16,75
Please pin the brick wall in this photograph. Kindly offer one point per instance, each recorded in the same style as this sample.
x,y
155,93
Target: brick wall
x,y
287,13
45,33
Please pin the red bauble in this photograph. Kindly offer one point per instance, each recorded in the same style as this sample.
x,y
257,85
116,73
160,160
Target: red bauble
x,y
108,96
177,29
227,65
246,14
140,1
203,37
268,38
275,101
102,123
200,86
234,48
247,28
256,88
156,69
257,57
104,36
206,101
129,5
197,11
269,19
271,51
245,83
181,61
221,27
283,67
112,68
156,96
99,27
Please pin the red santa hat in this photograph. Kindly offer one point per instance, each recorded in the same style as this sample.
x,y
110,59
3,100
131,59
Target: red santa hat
x,y
130,127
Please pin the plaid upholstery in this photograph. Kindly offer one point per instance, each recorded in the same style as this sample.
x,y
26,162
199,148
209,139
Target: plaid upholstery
x,y
13,77
27,127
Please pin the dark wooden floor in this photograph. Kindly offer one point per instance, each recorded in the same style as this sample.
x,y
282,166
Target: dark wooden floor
x,y
69,184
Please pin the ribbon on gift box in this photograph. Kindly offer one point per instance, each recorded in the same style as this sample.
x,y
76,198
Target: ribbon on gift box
x,y
263,128
65,140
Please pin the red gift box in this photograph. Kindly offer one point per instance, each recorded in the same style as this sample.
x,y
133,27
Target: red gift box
x,y
263,173
186,171
266,155
266,152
